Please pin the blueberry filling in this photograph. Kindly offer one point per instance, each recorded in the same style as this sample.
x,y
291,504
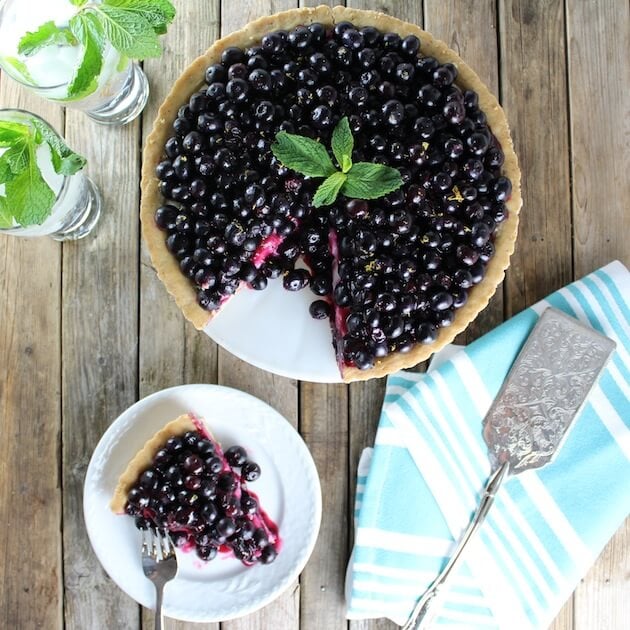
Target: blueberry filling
x,y
200,496
402,265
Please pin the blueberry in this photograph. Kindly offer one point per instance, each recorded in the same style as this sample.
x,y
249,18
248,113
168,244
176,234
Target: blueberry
x,y
165,217
226,482
215,73
250,471
502,189
268,555
232,55
236,456
237,90
319,309
259,282
410,46
296,279
426,333
193,142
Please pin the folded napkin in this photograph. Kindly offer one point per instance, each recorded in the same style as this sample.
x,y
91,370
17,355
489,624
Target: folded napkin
x,y
417,490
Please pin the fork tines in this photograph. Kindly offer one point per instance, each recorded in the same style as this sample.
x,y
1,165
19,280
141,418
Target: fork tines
x,y
157,544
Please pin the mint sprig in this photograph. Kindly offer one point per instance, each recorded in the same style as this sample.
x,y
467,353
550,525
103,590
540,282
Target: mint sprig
x,y
48,34
89,32
363,180
28,199
131,27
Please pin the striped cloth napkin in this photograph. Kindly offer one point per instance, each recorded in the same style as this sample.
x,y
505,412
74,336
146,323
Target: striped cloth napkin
x,y
419,486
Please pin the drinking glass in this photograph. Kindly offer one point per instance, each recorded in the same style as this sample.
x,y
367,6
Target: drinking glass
x,y
122,89
78,202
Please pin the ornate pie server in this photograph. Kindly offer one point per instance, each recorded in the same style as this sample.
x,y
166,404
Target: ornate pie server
x,y
544,392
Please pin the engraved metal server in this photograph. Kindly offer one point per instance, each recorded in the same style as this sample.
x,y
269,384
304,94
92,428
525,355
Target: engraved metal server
x,y
544,392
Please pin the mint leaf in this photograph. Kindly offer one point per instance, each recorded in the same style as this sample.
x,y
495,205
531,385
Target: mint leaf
x,y
302,154
329,189
342,144
370,181
13,161
158,13
6,173
65,160
47,34
17,155
88,31
31,198
11,132
6,218
129,32
20,68
78,3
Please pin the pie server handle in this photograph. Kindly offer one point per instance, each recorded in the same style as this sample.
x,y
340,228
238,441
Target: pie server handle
x,y
428,604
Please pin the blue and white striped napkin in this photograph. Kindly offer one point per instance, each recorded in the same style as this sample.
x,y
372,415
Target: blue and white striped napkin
x,y
419,487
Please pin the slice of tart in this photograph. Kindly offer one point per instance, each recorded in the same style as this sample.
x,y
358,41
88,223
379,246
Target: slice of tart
x,y
399,276
183,483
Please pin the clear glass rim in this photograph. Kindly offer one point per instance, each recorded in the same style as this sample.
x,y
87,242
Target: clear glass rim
x,y
11,72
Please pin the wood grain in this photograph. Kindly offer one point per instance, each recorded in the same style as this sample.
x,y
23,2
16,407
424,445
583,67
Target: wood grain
x,y
534,96
172,352
599,74
94,328
100,360
324,427
31,567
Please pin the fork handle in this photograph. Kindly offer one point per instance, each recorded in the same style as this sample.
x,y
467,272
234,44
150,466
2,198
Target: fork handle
x,y
159,618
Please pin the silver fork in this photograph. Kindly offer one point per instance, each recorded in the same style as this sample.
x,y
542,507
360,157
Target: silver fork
x,y
159,564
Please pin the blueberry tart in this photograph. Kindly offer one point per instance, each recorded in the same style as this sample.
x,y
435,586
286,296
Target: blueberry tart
x,y
353,143
183,483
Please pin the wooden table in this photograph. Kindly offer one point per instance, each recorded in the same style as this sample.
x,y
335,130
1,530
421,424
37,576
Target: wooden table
x,y
86,328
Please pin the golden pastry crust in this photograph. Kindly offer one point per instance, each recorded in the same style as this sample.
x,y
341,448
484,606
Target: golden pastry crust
x,y
166,264
144,458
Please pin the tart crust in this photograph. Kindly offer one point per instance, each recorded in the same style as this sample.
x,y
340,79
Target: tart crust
x,y
193,77
144,458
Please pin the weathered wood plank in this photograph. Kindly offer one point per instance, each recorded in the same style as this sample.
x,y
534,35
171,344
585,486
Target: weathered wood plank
x,y
30,404
365,400
172,352
598,39
324,427
166,357
600,159
279,392
534,95
100,354
601,599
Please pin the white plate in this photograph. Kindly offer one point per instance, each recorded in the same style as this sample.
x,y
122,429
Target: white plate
x,y
273,330
288,488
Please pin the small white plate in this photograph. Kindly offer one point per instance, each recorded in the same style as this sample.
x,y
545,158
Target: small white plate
x,y
288,489
273,330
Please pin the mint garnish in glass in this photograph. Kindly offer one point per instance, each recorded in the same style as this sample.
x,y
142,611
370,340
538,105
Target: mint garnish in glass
x,y
33,163
77,45
360,180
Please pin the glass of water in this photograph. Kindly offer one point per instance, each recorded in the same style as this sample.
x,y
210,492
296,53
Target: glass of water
x,y
69,205
117,95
